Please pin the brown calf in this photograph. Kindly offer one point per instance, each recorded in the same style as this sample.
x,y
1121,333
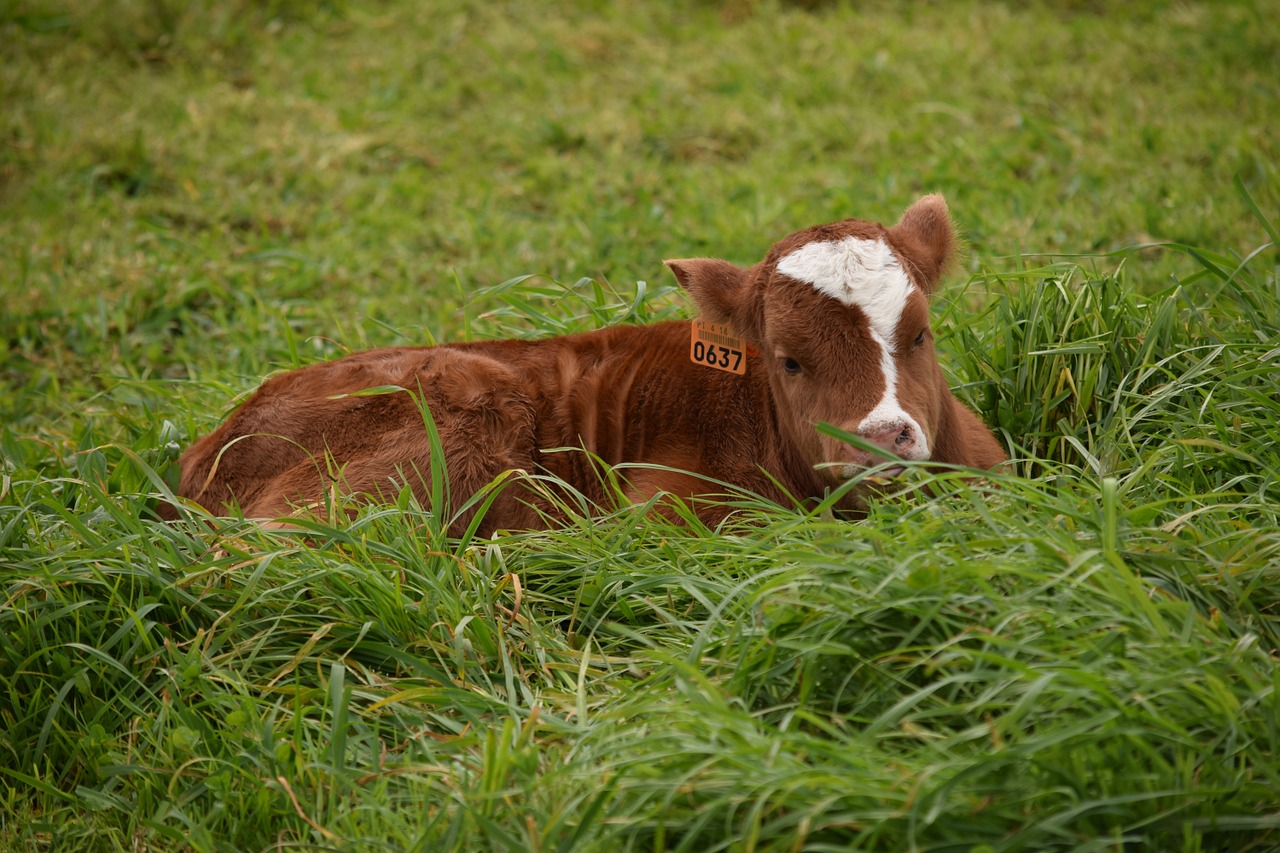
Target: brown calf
x,y
834,327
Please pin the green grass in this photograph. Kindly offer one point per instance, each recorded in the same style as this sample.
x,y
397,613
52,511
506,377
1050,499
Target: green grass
x,y
1078,654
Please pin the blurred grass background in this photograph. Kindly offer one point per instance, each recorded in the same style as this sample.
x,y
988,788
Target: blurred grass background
x,y
170,167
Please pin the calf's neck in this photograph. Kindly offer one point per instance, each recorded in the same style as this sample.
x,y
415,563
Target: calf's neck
x,y
831,326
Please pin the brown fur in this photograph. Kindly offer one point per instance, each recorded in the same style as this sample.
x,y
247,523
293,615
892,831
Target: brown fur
x,y
625,395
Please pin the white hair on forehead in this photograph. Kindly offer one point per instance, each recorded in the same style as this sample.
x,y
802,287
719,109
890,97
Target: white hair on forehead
x,y
865,273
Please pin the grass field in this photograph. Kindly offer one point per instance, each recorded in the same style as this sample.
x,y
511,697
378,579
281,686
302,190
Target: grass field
x,y
1081,655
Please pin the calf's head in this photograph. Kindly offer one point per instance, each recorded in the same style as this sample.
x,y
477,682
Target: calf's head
x,y
840,315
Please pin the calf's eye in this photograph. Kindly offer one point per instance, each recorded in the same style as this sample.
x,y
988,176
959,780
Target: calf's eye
x,y
790,365
920,337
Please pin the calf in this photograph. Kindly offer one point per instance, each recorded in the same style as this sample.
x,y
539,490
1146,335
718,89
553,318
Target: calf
x,y
832,326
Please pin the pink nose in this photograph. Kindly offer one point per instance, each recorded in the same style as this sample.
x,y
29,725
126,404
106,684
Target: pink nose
x,y
897,438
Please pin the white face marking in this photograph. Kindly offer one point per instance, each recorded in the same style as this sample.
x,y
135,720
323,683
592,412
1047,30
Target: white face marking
x,y
866,274
888,412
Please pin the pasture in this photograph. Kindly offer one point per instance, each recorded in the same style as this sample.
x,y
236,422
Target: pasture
x,y
1078,654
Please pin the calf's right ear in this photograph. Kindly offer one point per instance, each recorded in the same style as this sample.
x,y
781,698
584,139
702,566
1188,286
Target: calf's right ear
x,y
722,291
926,234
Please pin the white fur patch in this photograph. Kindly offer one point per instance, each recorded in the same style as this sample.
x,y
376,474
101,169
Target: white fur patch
x,y
865,273
889,412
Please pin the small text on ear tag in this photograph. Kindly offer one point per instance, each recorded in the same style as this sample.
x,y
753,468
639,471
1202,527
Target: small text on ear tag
x,y
715,345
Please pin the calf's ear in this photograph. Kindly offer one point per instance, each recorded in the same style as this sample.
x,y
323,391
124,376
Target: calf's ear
x,y
928,239
722,290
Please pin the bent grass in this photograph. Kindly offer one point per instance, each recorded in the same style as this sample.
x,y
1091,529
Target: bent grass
x,y
1079,658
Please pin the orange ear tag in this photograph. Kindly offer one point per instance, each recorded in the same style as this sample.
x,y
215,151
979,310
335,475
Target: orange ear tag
x,y
715,345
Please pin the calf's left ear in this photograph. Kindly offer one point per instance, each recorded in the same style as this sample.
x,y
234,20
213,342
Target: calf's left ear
x,y
722,291
928,239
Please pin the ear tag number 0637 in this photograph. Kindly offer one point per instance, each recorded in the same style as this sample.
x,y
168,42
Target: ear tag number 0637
x,y
715,345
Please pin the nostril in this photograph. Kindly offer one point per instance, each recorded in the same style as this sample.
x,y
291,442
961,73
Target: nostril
x,y
895,438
